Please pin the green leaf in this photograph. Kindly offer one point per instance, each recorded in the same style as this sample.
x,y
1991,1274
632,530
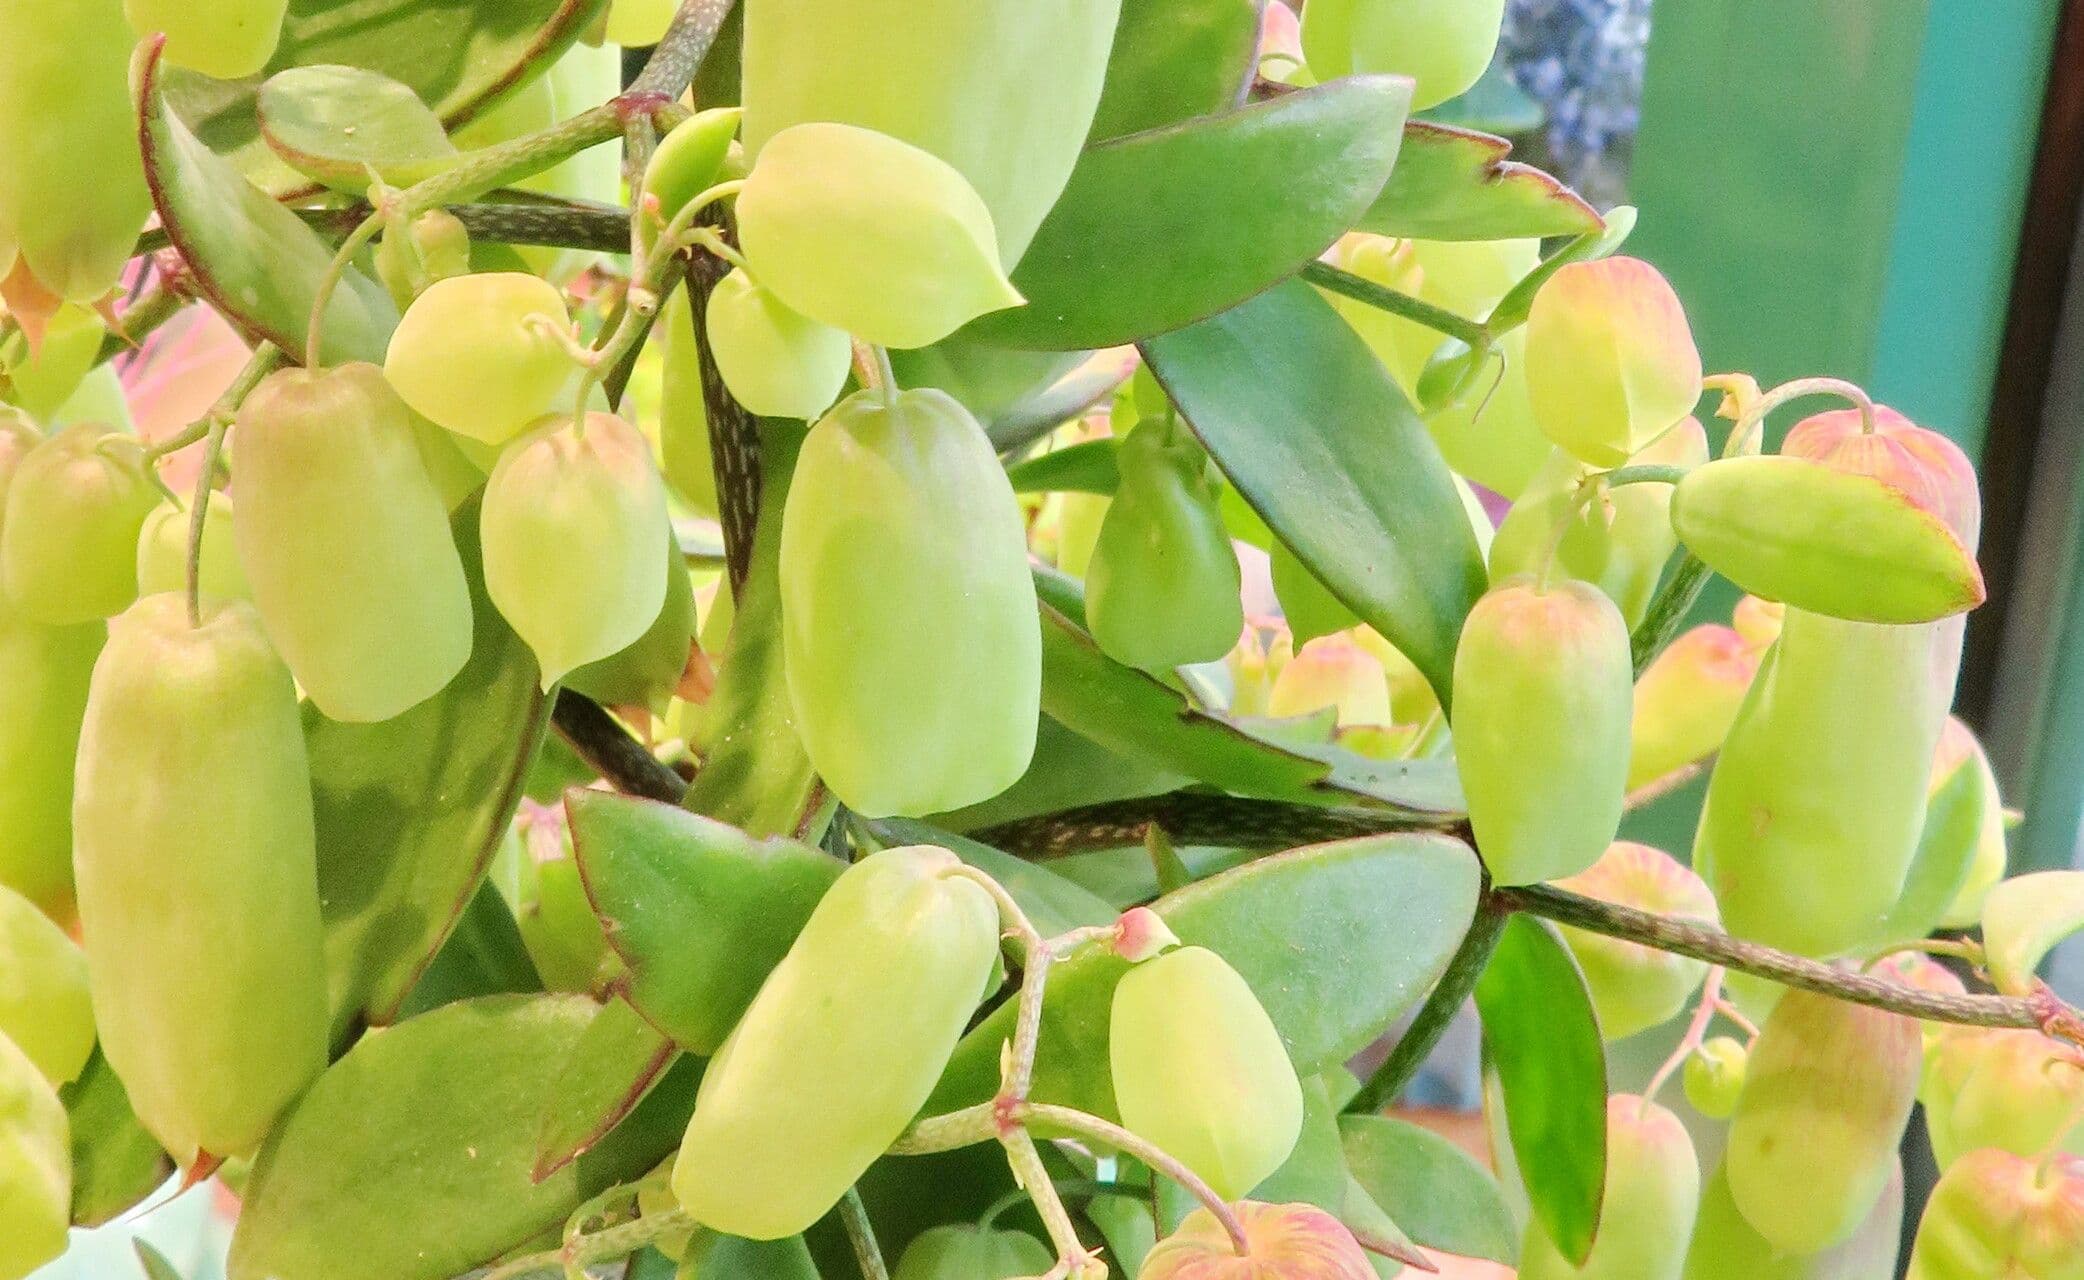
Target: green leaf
x,y
411,810
1238,201
484,956
1069,771
1494,104
1435,1190
1086,467
1337,940
337,125
1946,854
115,1163
458,57
2023,918
1138,716
153,1261
757,777
1315,1171
1175,59
1456,184
1539,1030
908,1195
409,1158
612,1069
254,260
1309,428
1053,904
700,911
721,1257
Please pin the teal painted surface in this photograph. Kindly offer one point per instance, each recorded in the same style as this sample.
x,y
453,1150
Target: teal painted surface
x,y
1769,168
1972,141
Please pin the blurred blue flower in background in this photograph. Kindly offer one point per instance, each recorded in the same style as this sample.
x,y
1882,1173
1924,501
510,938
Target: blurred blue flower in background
x,y
1583,61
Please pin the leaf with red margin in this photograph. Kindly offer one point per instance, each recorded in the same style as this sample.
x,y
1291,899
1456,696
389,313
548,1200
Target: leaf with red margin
x,y
254,260
700,911
1456,184
614,1066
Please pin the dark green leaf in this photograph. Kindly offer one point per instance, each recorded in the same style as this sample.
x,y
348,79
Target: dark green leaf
x,y
409,1158
1086,467
1174,59
1238,202
1309,428
484,956
411,810
253,259
1138,716
1125,1223
988,380
1539,1030
757,777
700,912
1337,940
458,57
115,1163
337,125
153,1261
1435,1190
1946,854
1456,184
613,1068
721,1257
1053,904
907,1195
1494,104
1069,770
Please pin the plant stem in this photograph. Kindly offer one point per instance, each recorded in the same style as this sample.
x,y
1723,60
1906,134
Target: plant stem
x,y
1646,473
1197,817
1033,1178
1668,610
1755,413
1706,942
1113,1135
583,1251
198,514
668,73
610,749
1696,1031
861,1233
1384,298
1439,1010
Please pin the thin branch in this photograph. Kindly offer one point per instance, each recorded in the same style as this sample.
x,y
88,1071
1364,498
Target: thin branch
x,y
673,64
1668,610
1384,298
1439,1010
1200,817
610,749
861,1234
1706,942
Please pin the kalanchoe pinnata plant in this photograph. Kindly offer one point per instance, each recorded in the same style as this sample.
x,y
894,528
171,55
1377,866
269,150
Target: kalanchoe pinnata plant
x,y
704,700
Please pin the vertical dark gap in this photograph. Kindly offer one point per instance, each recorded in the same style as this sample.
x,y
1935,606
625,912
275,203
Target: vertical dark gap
x,y
2039,281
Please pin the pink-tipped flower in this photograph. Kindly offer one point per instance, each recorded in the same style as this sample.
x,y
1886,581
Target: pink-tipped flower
x,y
1284,1242
1924,464
1332,671
1686,701
1141,933
1611,363
1636,987
1997,1216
